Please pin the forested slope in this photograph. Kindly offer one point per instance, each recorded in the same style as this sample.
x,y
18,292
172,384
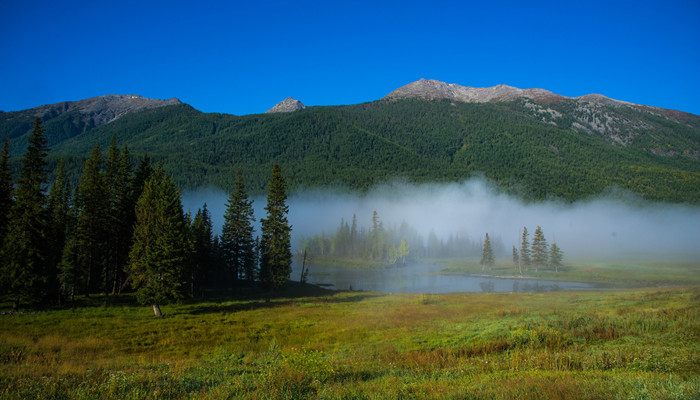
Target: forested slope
x,y
536,150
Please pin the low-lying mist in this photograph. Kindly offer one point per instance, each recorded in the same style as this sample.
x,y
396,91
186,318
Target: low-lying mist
x,y
601,228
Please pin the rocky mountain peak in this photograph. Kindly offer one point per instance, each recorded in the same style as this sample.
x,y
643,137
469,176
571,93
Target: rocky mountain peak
x,y
432,90
103,109
287,105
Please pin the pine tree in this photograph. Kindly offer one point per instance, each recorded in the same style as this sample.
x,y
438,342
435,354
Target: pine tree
x,y
59,223
275,247
5,190
555,257
237,242
524,251
516,258
160,254
201,236
91,231
23,253
539,249
118,177
487,258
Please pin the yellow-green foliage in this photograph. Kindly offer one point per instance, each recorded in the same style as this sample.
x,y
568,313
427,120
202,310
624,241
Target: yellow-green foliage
x,y
635,343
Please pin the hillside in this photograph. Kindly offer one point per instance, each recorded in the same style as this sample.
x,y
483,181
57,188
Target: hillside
x,y
566,148
66,119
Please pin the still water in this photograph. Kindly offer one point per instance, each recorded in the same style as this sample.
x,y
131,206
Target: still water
x,y
423,278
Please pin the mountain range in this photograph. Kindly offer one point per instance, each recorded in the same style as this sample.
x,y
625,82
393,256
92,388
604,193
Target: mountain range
x,y
529,141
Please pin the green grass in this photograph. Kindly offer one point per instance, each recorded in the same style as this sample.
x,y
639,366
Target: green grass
x,y
633,343
619,274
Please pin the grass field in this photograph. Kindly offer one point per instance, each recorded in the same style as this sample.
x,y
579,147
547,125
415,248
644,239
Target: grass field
x,y
310,343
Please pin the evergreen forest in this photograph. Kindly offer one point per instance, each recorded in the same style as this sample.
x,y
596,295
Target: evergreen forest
x,y
526,151
124,229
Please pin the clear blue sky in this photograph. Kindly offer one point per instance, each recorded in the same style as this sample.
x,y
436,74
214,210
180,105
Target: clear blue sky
x,y
243,57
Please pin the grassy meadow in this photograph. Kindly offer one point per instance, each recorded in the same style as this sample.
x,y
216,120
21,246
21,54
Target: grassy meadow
x,y
310,343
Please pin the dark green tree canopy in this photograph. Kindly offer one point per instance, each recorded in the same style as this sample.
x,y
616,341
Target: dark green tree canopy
x,y
23,253
275,246
237,241
160,253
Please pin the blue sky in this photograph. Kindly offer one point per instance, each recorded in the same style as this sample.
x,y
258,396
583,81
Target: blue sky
x,y
243,57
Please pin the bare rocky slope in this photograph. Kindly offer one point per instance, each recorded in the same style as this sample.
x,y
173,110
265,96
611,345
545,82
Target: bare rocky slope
x,y
287,105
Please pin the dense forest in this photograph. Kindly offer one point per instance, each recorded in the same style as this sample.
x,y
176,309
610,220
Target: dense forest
x,y
529,152
125,229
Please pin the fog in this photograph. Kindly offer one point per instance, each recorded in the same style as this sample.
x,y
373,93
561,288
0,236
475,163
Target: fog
x,y
600,228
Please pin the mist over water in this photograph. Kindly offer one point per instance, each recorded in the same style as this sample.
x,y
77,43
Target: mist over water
x,y
599,228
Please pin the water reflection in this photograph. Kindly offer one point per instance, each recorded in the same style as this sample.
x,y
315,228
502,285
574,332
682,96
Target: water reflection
x,y
423,278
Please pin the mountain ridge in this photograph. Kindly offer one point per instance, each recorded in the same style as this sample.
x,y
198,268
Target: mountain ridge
x,y
568,148
430,89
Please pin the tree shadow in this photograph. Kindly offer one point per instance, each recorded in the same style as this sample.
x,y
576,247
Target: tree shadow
x,y
252,298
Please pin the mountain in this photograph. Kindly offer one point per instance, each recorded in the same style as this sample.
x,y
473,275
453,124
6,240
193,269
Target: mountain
x,y
434,90
287,105
69,118
592,113
535,147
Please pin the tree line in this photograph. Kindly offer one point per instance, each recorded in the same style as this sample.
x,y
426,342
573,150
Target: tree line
x,y
125,229
389,244
536,254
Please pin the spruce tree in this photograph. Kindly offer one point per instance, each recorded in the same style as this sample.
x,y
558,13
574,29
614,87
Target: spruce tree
x,y
118,177
91,231
201,236
59,223
161,250
487,258
275,247
539,249
524,251
23,253
516,258
5,190
237,242
555,257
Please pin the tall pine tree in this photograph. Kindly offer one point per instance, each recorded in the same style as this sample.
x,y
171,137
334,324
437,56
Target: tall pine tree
x,y
92,226
5,190
555,257
59,223
161,251
539,249
23,253
118,176
487,258
524,251
201,237
275,246
237,243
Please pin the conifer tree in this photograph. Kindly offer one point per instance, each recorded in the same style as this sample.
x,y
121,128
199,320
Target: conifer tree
x,y
23,253
516,258
201,236
59,222
237,242
5,190
555,257
275,247
118,177
539,249
160,254
92,224
524,251
487,258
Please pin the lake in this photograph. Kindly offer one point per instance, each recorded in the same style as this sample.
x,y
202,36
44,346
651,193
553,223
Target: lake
x,y
423,278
